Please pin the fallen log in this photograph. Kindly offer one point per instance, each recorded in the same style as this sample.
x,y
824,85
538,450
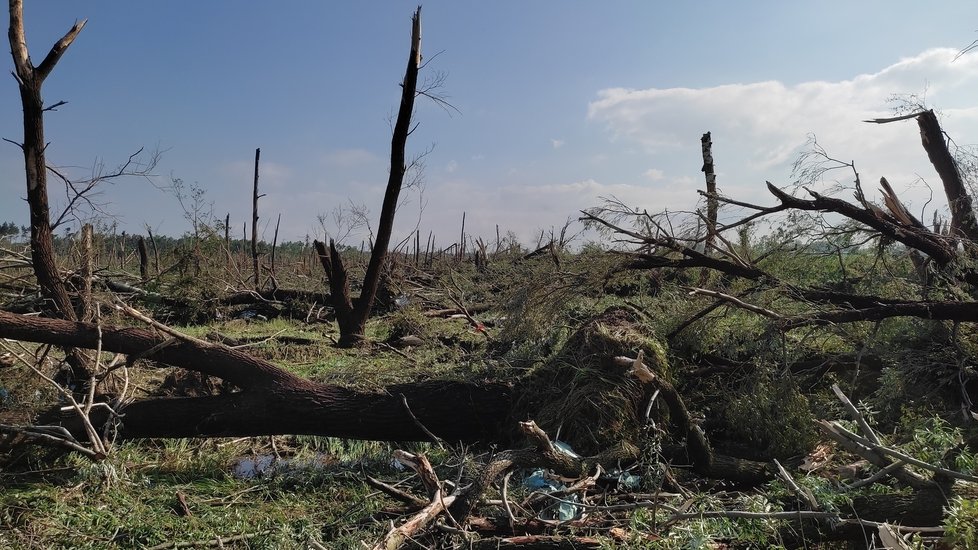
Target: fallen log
x,y
273,401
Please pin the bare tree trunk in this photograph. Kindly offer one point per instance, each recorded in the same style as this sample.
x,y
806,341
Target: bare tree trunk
x,y
353,322
339,288
417,247
123,253
461,241
87,268
274,244
156,250
959,201
254,225
712,205
143,259
29,81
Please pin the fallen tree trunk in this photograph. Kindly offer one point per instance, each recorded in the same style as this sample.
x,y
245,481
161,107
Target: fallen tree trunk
x,y
272,400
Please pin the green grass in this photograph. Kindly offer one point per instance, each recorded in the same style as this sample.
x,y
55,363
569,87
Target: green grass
x,y
131,499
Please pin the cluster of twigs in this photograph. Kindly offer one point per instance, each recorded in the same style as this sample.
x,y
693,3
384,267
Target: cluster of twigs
x,y
606,509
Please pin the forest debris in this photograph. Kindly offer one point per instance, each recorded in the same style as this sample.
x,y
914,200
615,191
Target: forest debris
x,y
438,502
409,341
820,456
891,539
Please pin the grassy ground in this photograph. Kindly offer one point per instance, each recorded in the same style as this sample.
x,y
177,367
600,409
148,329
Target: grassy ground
x,y
160,492
169,493
153,493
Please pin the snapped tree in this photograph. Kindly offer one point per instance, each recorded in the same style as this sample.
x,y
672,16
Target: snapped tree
x,y
29,81
352,314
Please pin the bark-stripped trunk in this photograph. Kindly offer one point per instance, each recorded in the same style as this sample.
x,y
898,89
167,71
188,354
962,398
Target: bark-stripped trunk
x,y
712,205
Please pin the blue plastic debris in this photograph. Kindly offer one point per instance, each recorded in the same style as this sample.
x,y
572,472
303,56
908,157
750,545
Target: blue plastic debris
x,y
538,481
565,509
622,479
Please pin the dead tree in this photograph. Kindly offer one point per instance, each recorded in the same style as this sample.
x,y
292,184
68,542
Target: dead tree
x,y
352,314
272,400
254,226
658,245
29,81
959,201
712,206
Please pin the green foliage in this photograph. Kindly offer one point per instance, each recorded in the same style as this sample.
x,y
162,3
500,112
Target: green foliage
x,y
773,416
408,321
705,533
934,440
130,500
961,524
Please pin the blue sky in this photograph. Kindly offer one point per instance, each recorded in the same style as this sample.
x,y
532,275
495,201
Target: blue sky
x,y
560,102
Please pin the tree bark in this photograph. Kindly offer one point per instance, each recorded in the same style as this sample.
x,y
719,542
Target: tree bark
x,y
959,201
339,289
936,246
254,226
143,259
353,324
712,205
29,81
402,128
274,401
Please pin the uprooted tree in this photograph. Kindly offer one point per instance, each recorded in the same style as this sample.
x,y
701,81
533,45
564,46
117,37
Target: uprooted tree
x,y
938,290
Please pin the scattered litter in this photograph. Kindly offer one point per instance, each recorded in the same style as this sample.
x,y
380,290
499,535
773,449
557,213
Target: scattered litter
x,y
267,465
250,468
621,479
538,481
251,314
564,510
568,507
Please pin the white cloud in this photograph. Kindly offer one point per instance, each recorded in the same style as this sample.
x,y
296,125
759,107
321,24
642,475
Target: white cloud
x,y
526,209
760,128
557,143
654,174
451,166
